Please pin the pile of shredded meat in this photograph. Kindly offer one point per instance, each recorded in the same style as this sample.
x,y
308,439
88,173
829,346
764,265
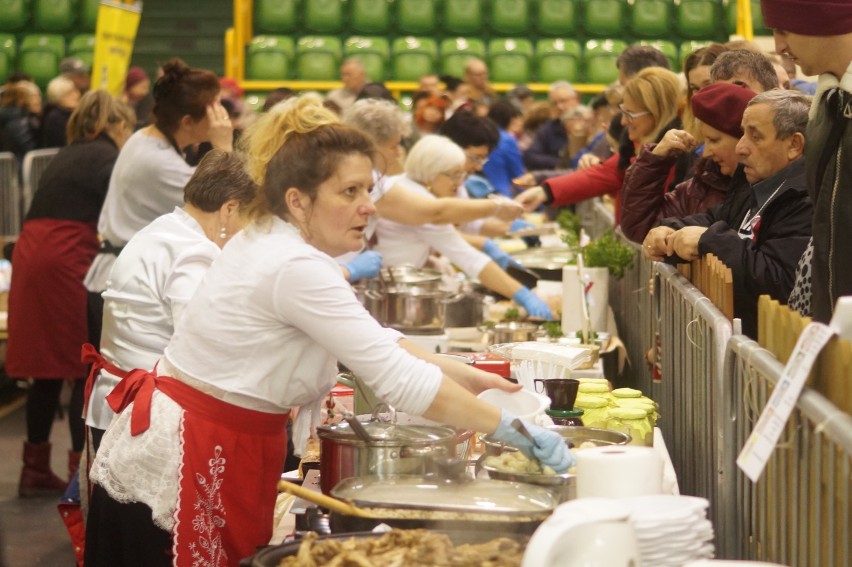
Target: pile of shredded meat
x,y
405,548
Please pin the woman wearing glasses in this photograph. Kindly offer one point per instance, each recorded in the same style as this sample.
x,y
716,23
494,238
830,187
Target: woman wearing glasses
x,y
436,167
649,110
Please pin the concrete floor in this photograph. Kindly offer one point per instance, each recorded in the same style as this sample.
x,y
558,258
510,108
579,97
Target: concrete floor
x,y
31,532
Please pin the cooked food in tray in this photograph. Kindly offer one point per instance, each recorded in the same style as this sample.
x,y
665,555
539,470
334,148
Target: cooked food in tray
x,y
516,462
409,548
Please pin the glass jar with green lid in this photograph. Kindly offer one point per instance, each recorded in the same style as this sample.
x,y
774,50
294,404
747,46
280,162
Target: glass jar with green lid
x,y
595,410
633,421
642,403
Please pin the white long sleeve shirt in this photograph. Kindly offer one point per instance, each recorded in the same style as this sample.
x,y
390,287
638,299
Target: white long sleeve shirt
x,y
147,181
272,318
151,281
406,244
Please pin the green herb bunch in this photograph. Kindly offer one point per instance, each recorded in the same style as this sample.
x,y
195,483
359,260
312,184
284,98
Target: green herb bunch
x,y
608,252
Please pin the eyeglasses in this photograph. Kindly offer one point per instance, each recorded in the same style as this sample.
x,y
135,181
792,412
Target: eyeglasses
x,y
476,159
631,116
456,176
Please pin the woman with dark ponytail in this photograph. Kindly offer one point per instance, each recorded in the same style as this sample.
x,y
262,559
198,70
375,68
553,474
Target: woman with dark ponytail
x,y
47,302
151,170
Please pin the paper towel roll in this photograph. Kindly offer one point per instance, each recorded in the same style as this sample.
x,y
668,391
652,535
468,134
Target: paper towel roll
x,y
619,472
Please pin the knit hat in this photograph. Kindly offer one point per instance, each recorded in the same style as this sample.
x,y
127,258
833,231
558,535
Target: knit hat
x,y
808,17
135,75
721,105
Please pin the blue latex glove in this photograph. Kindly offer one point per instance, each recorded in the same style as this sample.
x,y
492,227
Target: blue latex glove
x,y
500,256
364,265
535,307
520,224
551,450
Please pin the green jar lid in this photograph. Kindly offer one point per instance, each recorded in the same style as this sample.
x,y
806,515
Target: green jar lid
x,y
628,413
590,402
576,412
592,388
627,393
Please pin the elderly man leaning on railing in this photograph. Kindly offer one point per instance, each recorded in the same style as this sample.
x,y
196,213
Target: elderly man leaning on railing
x,y
763,226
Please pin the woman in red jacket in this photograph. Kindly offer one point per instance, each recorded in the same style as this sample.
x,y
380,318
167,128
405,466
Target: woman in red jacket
x,y
644,201
649,109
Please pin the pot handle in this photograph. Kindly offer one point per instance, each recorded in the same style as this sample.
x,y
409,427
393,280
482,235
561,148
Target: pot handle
x,y
433,451
374,294
347,379
453,298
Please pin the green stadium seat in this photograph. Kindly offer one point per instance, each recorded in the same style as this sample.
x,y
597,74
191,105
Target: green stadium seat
x,y
14,15
510,17
82,47
650,18
276,16
757,23
369,16
556,17
88,21
463,16
599,60
8,49
510,60
604,18
670,50
558,60
413,57
416,16
40,55
698,19
373,52
324,16
54,15
270,58
318,58
456,51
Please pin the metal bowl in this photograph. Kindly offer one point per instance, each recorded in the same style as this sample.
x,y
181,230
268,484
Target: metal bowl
x,y
562,486
575,436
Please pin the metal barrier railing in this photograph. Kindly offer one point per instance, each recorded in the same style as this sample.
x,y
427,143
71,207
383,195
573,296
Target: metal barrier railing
x,y
10,195
799,512
693,336
35,162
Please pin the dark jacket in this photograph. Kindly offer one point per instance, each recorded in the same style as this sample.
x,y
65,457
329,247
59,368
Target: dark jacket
x,y
765,263
18,131
644,201
74,184
606,178
549,141
829,171
53,127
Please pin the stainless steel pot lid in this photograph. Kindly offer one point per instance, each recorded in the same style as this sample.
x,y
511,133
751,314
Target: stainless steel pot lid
x,y
389,433
409,275
476,496
544,258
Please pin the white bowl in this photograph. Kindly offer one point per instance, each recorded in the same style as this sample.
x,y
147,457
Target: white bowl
x,y
522,404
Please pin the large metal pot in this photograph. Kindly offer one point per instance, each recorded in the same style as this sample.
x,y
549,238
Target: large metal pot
x,y
411,309
514,332
393,450
466,309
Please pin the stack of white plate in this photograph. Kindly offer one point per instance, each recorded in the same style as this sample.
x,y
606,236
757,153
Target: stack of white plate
x,y
671,530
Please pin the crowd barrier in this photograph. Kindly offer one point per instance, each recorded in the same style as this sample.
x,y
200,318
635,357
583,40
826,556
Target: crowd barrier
x,y
10,196
711,388
799,512
35,162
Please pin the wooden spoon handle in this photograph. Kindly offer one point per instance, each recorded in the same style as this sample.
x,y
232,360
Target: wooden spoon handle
x,y
322,500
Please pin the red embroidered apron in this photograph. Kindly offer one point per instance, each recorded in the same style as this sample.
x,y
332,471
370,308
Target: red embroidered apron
x,y
232,461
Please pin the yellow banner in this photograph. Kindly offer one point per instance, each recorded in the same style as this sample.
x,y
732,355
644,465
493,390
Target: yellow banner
x,y
114,37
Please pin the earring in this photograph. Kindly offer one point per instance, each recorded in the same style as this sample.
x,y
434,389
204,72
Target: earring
x,y
223,234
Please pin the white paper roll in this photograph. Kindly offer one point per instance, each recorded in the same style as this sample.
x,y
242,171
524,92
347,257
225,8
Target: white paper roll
x,y
619,472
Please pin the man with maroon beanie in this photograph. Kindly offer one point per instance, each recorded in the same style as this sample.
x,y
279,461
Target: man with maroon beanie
x,y
817,35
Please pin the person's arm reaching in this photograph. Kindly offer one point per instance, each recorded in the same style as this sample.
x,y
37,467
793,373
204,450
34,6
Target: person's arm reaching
x,y
407,207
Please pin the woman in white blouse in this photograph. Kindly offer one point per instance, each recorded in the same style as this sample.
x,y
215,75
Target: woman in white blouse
x,y
187,471
157,273
435,167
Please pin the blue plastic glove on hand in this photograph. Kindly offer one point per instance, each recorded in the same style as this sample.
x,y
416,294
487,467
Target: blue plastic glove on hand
x,y
500,256
520,224
364,265
535,307
551,448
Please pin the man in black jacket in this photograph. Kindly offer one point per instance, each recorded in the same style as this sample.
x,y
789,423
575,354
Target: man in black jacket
x,y
764,224
817,35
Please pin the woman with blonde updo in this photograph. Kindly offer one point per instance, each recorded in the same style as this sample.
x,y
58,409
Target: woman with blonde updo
x,y
187,472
